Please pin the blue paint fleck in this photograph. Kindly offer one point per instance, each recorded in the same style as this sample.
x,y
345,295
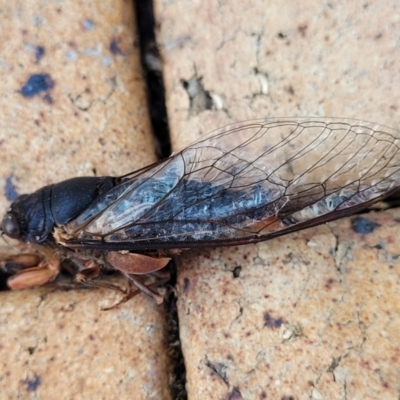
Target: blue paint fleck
x,y
9,190
32,384
71,55
363,225
38,21
39,52
272,322
114,47
235,394
37,83
106,61
88,24
92,52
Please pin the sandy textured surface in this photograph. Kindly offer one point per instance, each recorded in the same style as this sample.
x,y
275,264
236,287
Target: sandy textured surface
x,y
237,60
87,115
61,345
314,315
311,315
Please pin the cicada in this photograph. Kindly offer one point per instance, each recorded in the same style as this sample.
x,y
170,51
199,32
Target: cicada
x,y
243,183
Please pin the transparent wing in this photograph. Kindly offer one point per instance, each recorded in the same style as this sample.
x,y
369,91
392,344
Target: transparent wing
x,y
247,182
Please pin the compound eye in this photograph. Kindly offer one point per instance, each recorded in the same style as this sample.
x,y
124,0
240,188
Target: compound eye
x,y
10,226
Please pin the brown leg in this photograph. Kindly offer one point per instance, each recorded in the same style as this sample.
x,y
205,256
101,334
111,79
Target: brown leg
x,y
133,291
18,262
40,274
92,271
137,264
144,288
131,265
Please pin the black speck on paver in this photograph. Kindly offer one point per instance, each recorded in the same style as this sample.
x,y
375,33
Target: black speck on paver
x,y
39,53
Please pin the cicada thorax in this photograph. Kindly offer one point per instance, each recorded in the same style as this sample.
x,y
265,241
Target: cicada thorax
x,y
32,218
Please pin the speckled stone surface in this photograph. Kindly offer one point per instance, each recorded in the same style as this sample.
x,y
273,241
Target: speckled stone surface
x,y
61,345
315,314
236,60
72,104
89,114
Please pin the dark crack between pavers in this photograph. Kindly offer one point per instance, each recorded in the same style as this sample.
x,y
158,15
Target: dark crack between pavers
x,y
152,69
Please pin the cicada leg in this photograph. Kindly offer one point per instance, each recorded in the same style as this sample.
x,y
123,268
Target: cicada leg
x,y
129,294
91,271
33,270
131,264
155,278
137,264
17,262
134,290
144,288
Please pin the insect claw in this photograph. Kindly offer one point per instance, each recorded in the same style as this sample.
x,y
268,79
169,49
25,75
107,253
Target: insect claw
x,y
91,271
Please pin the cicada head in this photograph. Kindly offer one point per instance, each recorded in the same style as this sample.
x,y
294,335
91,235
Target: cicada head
x,y
27,220
11,226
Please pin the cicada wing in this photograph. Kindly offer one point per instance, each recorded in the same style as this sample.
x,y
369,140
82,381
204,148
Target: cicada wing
x,y
248,181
